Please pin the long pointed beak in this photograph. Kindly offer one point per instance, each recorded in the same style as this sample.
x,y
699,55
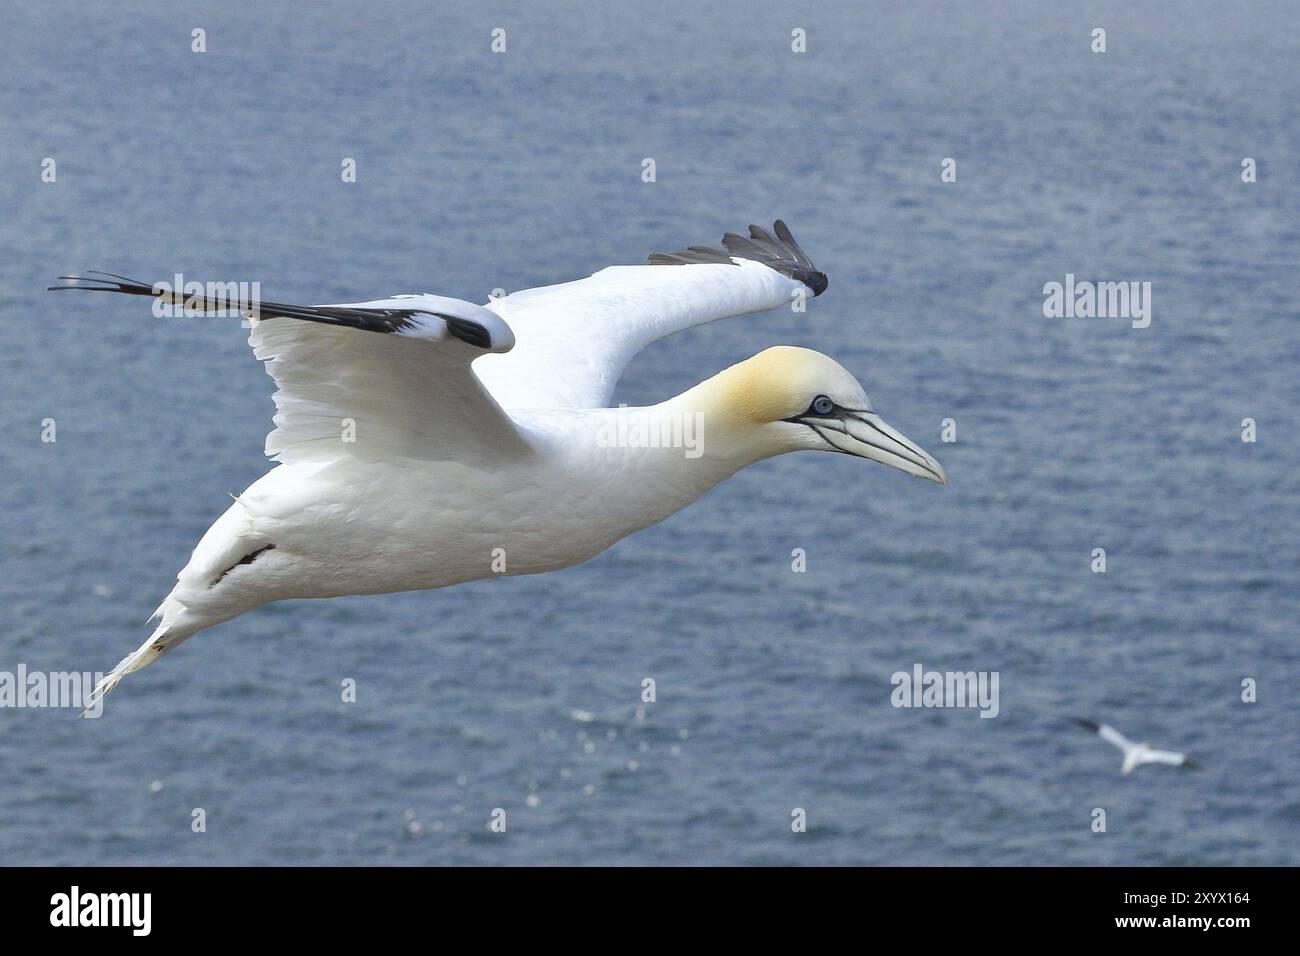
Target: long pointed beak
x,y
867,435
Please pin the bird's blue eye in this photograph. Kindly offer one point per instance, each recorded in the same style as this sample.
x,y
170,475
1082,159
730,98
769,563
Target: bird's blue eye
x,y
822,405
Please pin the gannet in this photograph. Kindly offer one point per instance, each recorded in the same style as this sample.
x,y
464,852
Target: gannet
x,y
1135,755
425,441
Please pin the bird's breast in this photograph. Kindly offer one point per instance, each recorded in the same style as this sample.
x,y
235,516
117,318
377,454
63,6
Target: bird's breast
x,y
374,528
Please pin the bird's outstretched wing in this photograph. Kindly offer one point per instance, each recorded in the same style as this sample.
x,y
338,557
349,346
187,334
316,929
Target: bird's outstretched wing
x,y
1170,757
406,392
1107,733
1112,736
575,339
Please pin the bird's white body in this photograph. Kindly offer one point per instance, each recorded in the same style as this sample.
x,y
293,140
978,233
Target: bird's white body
x,y
403,468
358,527
1135,754
1139,754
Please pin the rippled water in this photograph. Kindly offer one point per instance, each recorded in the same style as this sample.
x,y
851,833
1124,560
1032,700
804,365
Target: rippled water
x,y
479,171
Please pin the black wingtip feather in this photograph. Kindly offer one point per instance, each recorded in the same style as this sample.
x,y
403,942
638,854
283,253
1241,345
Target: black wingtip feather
x,y
111,283
779,252
467,330
816,281
384,321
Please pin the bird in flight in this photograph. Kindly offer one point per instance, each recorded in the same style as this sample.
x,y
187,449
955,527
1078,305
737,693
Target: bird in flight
x,y
1135,755
425,441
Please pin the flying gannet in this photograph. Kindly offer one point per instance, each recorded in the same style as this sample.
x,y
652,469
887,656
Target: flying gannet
x,y
402,468
1135,755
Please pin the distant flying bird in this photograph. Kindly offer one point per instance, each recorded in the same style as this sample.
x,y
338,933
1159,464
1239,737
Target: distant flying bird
x,y
1135,755
401,468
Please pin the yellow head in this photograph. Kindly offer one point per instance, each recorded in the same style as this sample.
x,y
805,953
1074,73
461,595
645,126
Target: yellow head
x,y
791,399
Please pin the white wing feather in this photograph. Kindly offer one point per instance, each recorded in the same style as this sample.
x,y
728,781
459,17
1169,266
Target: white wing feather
x,y
1164,756
1109,734
347,392
574,340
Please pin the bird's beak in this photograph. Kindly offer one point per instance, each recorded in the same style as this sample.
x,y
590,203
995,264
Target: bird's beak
x,y
867,435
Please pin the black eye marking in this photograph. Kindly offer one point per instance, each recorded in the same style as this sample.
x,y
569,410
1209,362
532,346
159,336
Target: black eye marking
x,y
822,405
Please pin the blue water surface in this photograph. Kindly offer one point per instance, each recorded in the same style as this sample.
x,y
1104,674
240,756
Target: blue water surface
x,y
478,171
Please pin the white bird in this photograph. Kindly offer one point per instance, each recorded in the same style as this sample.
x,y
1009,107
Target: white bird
x,y
1135,755
402,468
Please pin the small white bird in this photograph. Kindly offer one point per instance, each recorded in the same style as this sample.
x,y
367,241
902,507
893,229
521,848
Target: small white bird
x,y
401,468
1135,755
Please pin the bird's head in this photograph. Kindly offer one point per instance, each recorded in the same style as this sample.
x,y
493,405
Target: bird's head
x,y
793,399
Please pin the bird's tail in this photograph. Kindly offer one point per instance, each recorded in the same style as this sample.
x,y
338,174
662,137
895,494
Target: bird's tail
x,y
176,625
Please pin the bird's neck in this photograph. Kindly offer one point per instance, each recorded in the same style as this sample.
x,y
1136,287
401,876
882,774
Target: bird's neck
x,y
680,439
717,417
657,459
